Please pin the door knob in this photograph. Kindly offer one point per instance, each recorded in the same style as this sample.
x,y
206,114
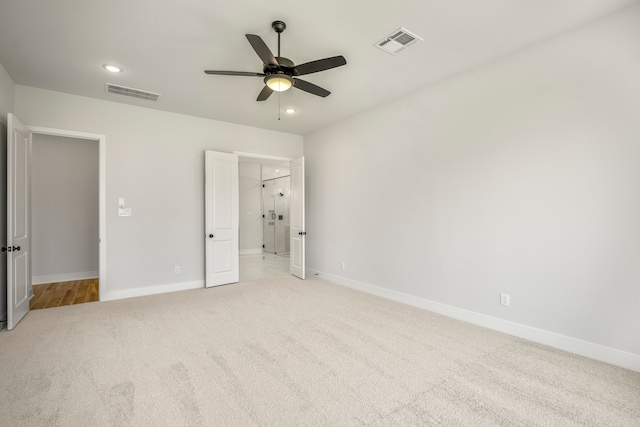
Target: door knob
x,y
211,236
302,233
10,248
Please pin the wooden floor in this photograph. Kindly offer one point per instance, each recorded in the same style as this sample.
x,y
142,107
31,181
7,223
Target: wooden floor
x,y
64,293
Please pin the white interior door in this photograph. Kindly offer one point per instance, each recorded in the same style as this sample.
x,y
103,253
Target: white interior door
x,y
18,248
297,236
221,218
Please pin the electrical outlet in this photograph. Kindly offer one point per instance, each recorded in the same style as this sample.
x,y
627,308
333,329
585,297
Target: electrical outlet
x,y
504,299
177,269
343,265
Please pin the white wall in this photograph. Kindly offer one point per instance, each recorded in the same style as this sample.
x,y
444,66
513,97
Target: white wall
x,y
250,189
6,106
155,160
64,219
521,177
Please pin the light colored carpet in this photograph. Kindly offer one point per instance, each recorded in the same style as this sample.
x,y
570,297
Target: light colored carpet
x,y
290,352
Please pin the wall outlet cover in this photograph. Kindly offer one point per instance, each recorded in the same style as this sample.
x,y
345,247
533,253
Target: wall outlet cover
x,y
504,299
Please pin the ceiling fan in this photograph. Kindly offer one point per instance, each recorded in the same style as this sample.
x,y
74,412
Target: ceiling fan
x,y
281,73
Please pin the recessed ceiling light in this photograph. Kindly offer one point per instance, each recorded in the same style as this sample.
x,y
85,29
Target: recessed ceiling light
x,y
112,68
290,110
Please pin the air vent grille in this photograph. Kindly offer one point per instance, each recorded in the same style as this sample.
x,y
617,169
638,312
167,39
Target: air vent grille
x,y
134,93
398,41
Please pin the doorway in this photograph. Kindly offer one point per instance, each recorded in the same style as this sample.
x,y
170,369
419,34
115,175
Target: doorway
x,y
64,221
264,218
19,213
223,217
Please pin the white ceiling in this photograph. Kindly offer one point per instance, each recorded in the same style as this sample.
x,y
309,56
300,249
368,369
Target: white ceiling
x,y
164,46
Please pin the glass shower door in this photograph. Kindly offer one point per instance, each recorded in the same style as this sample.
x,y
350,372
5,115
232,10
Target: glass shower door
x,y
269,217
276,196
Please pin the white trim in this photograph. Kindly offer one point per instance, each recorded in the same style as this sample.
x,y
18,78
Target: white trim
x,y
67,277
262,156
102,191
41,130
584,348
152,290
250,251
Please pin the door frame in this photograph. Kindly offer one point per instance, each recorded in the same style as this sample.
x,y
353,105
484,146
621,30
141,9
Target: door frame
x,y
263,156
102,217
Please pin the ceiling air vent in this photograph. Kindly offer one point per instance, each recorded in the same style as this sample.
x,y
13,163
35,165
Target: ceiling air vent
x,y
398,41
134,93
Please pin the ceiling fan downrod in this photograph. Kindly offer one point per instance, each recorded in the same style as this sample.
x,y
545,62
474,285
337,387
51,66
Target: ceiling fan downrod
x,y
278,27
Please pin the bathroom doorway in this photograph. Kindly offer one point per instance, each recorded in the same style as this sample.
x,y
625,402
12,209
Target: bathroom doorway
x,y
264,218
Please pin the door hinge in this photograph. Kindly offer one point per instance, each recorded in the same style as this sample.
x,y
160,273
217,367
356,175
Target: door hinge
x,y
262,246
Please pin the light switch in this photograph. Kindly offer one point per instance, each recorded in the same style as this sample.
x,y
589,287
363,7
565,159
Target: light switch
x,y
121,202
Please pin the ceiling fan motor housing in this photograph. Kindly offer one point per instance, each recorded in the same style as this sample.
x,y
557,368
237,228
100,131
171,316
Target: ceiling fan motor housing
x,y
285,66
286,62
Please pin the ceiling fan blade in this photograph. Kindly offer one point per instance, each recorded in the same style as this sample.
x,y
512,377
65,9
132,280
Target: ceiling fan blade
x,y
261,49
265,93
234,73
319,65
311,88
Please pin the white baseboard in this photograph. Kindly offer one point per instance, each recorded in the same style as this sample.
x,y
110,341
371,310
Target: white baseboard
x,y
583,348
152,290
250,251
67,277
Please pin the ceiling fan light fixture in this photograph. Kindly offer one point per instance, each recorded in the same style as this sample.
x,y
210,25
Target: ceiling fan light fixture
x,y
278,82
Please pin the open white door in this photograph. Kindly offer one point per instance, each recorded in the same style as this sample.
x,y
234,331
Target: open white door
x,y
221,218
297,235
18,248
